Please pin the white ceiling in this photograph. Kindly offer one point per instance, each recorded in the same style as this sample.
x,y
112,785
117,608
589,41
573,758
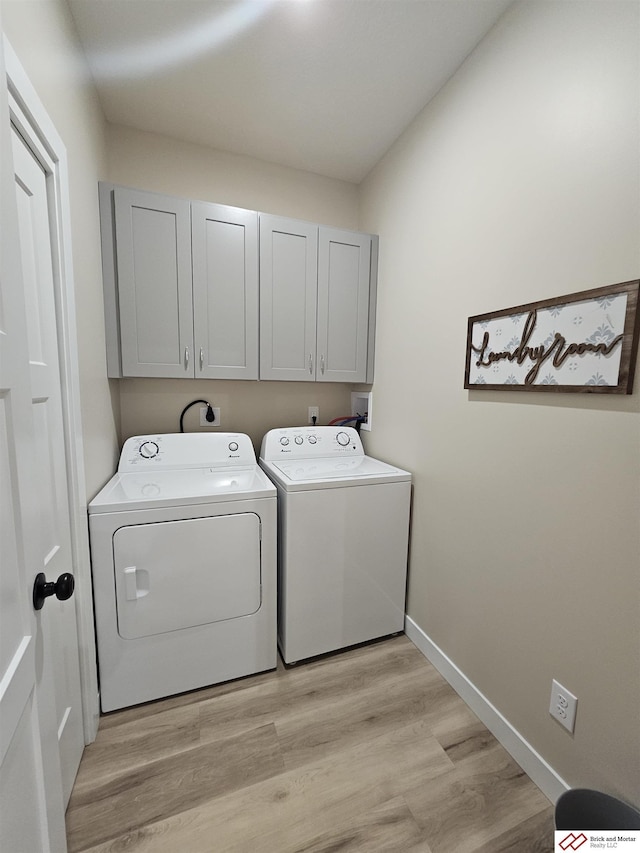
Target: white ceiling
x,y
321,85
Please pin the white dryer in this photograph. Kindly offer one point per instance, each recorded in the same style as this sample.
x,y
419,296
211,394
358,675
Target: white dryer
x,y
183,552
343,528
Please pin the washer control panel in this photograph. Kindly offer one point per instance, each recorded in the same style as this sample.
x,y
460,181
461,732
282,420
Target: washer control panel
x,y
310,442
186,450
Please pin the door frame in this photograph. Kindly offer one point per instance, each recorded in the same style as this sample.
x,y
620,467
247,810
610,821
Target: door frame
x,y
29,115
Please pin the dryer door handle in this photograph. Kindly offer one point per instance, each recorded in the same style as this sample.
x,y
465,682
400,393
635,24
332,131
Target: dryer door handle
x,y
131,590
130,586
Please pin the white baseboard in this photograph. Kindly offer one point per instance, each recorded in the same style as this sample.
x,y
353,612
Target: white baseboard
x,y
544,776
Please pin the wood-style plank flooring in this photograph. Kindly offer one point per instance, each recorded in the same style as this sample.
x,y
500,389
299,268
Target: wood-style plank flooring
x,y
368,750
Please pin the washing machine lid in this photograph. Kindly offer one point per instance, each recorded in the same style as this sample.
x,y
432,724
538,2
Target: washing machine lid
x,y
332,472
154,489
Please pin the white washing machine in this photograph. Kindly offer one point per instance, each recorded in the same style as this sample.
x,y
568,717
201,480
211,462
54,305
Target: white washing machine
x,y
183,552
343,528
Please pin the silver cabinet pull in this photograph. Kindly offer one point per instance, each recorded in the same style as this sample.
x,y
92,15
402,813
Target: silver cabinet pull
x,y
201,358
310,364
186,358
322,363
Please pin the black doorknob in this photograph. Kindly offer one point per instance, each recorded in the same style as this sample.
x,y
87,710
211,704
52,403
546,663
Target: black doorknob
x,y
62,589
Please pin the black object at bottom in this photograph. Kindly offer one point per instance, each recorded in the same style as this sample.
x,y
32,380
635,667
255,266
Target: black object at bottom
x,y
581,808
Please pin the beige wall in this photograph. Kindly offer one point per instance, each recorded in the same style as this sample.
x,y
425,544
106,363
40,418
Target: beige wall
x,y
158,163
154,405
520,182
161,164
42,34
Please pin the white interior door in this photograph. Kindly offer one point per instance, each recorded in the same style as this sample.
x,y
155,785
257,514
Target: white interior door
x,y
31,803
36,225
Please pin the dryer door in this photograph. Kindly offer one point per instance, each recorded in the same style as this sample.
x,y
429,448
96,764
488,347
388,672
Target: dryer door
x,y
179,574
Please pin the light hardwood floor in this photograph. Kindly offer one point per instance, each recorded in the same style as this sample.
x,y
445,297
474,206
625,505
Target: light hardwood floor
x,y
367,750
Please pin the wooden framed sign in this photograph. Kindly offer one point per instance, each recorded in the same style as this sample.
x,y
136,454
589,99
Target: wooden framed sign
x,y
584,342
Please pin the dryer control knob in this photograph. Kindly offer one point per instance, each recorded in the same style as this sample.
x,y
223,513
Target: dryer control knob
x,y
149,449
298,439
343,439
233,446
284,441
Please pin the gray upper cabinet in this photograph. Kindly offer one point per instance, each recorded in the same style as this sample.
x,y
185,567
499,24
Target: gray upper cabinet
x,y
225,291
288,294
317,302
201,290
344,268
181,286
153,268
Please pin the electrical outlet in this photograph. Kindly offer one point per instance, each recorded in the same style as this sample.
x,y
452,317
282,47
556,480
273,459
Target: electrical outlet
x,y
314,412
563,706
203,417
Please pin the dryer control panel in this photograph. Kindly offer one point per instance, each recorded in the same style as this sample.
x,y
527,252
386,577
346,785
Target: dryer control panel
x,y
310,443
186,450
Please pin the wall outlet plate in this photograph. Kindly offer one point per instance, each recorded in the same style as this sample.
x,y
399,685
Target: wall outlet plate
x,y
563,706
314,411
203,417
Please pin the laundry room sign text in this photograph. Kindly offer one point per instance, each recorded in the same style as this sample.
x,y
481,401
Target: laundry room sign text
x,y
584,342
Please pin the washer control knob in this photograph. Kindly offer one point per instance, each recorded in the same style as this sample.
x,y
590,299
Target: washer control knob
x,y
284,441
149,449
312,439
298,439
233,446
343,439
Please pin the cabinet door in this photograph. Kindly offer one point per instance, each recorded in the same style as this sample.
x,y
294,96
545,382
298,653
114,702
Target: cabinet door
x,y
344,266
288,286
225,291
153,262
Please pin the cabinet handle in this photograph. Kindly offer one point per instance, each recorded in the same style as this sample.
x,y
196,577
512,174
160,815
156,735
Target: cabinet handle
x,y
201,358
310,364
322,363
186,358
